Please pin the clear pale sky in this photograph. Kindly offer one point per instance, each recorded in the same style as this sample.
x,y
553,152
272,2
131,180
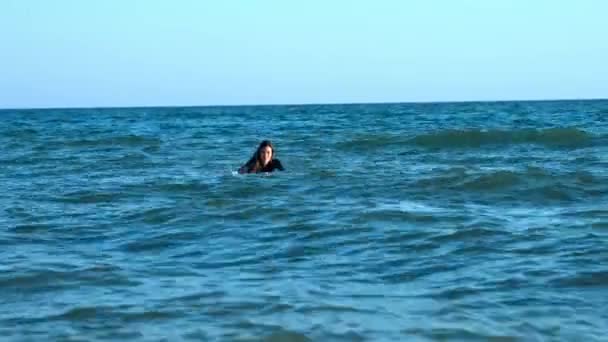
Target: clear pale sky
x,y
72,53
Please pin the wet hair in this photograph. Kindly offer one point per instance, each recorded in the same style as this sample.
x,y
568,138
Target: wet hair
x,y
255,163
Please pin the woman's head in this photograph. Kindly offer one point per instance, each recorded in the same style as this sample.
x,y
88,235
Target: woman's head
x,y
264,153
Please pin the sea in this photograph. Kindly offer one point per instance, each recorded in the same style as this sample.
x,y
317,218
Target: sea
x,y
472,221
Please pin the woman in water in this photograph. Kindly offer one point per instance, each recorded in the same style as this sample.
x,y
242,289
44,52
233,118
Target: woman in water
x,y
262,160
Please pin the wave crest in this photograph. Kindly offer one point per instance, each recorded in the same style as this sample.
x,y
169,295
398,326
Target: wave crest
x,y
568,137
551,137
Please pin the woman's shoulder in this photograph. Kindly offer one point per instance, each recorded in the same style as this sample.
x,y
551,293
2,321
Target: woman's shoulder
x,y
248,166
277,164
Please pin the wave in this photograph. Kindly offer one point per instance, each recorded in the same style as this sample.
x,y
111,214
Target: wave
x,y
534,181
371,141
584,279
551,137
566,137
88,197
114,141
124,313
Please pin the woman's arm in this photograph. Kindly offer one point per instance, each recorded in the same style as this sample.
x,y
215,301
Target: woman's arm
x,y
244,169
248,166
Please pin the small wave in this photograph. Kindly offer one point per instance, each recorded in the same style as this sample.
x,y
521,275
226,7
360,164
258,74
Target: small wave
x,y
32,279
286,336
44,280
457,334
467,234
117,141
130,158
551,137
396,215
556,192
22,134
408,275
567,137
323,174
457,293
472,180
211,295
334,308
494,180
88,197
32,228
532,182
371,142
584,279
86,313
600,226
184,187
410,206
158,242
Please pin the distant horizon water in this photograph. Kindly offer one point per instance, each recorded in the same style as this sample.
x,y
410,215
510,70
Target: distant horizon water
x,y
309,104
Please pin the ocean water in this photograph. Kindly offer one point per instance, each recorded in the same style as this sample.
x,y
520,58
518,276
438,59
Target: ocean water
x,y
392,222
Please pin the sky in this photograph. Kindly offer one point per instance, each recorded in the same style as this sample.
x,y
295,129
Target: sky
x,y
114,53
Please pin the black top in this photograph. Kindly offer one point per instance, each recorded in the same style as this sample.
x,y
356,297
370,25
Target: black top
x,y
270,167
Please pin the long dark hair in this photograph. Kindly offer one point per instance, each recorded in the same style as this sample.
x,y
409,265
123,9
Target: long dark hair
x,y
255,164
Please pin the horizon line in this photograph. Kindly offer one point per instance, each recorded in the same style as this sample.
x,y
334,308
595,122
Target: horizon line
x,y
303,104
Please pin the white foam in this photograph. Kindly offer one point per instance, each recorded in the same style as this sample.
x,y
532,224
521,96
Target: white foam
x,y
411,206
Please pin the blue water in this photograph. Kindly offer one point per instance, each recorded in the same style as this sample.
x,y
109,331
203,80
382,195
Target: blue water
x,y
417,222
